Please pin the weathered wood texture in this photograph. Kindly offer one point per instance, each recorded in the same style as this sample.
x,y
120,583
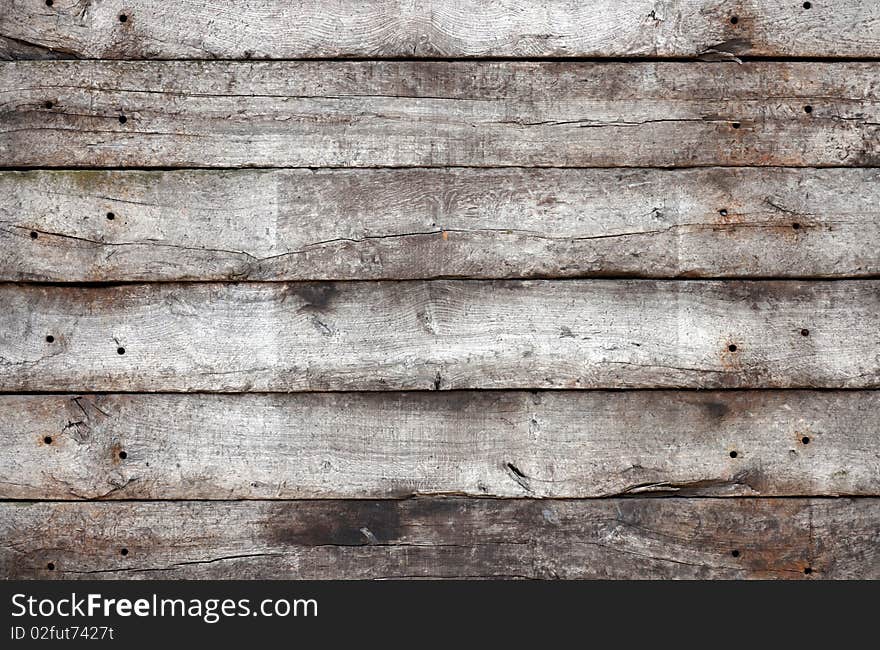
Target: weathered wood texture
x,y
441,334
393,113
455,538
425,223
363,445
469,175
197,29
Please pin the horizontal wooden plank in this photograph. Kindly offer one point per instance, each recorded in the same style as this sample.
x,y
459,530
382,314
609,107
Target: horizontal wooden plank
x,y
426,223
496,443
439,538
197,29
429,113
440,334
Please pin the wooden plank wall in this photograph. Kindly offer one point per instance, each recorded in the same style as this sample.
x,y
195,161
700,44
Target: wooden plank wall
x,y
444,288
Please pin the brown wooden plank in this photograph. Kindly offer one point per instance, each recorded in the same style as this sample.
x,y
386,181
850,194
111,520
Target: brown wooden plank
x,y
425,223
505,444
435,114
196,29
440,335
440,538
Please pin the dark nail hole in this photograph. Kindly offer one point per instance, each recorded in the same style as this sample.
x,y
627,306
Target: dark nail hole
x,y
796,226
49,3
48,104
122,18
733,454
805,440
805,332
736,125
807,5
50,339
808,109
722,212
111,216
123,551
123,119
51,566
808,570
732,347
48,440
123,455
120,350
34,234
734,20
734,553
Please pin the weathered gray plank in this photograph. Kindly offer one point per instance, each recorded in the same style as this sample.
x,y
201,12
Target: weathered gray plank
x,y
441,334
425,223
506,444
393,113
316,28
607,538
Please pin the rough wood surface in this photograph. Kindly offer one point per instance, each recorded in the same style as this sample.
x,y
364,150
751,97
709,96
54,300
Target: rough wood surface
x,y
424,113
440,334
439,538
198,29
392,445
424,223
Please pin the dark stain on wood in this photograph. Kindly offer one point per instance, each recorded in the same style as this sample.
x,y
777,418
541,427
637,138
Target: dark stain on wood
x,y
315,296
716,409
345,523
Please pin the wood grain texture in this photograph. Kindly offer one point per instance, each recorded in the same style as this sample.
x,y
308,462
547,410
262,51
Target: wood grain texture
x,y
424,223
440,335
434,114
440,538
201,29
393,445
